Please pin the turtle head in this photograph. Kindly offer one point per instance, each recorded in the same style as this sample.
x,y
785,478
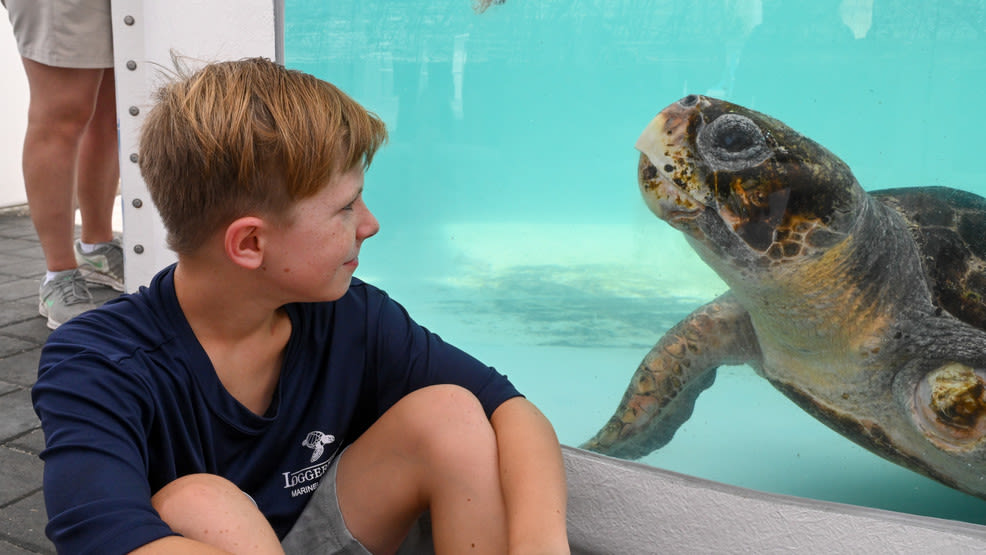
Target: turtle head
x,y
743,185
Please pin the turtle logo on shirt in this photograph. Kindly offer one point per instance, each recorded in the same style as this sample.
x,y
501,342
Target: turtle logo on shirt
x,y
317,440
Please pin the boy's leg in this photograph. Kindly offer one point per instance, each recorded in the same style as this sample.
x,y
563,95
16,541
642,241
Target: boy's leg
x,y
434,449
212,510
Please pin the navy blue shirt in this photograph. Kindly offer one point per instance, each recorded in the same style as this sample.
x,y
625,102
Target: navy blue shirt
x,y
129,401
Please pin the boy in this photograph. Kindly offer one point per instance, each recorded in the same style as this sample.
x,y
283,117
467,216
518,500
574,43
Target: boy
x,y
255,388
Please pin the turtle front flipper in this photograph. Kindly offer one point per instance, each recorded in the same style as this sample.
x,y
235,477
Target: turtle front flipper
x,y
681,365
950,407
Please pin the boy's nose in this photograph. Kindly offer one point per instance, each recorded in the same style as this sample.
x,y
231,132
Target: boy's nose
x,y
370,226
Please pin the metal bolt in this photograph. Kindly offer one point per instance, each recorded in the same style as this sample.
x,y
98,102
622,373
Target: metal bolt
x,y
134,110
137,203
129,20
131,65
139,249
134,158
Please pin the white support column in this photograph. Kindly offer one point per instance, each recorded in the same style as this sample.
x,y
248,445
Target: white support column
x,y
145,33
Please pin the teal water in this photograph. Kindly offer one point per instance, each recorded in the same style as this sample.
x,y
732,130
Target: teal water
x,y
511,221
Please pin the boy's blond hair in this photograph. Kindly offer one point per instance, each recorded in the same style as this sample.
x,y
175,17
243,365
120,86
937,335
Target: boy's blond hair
x,y
247,137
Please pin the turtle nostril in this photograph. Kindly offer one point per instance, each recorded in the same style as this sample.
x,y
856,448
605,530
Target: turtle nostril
x,y
689,101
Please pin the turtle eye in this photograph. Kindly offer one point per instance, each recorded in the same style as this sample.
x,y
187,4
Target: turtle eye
x,y
735,139
732,142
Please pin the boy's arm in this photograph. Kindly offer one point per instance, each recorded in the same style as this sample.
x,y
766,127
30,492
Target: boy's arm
x,y
533,478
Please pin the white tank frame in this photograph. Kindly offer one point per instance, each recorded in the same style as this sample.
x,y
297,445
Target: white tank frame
x,y
145,33
615,506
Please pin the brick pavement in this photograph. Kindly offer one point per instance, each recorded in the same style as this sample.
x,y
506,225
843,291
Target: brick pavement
x,y
22,333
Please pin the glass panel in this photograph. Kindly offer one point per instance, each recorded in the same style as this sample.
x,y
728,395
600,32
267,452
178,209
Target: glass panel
x,y
511,219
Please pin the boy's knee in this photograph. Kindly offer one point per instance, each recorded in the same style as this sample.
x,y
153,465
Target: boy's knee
x,y
447,405
212,510
449,420
196,494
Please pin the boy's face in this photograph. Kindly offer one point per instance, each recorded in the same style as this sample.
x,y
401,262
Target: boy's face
x,y
314,256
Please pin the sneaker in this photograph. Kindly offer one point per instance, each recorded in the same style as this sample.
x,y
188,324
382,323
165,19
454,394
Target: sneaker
x,y
64,297
104,265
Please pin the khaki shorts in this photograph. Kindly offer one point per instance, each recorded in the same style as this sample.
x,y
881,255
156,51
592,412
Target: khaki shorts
x,y
63,33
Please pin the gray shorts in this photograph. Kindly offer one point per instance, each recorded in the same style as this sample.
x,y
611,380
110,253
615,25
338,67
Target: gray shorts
x,y
63,33
321,529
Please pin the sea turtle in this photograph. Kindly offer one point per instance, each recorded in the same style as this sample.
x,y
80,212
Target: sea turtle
x,y
865,309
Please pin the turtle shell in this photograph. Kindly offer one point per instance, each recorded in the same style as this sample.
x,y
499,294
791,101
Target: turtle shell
x,y
949,227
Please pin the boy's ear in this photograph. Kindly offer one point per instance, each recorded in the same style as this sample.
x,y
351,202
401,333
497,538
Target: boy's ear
x,y
245,241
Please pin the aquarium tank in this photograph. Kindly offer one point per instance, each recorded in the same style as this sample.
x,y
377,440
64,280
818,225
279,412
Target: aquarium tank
x,y
512,224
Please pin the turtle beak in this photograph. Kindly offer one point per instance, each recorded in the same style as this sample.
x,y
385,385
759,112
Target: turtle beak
x,y
665,173
665,200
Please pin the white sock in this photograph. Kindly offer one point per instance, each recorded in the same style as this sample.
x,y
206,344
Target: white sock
x,y
49,275
88,247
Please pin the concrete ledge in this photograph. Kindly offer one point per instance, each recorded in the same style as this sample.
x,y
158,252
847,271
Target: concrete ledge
x,y
621,507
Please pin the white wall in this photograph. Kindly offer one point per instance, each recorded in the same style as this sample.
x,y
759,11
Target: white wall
x,y
13,118
620,507
203,30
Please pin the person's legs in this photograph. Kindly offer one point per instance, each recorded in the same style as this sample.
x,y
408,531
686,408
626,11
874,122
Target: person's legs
x,y
70,147
212,510
434,449
62,103
98,166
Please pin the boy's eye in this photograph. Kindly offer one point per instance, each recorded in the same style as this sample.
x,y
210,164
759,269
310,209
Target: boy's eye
x,y
349,207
